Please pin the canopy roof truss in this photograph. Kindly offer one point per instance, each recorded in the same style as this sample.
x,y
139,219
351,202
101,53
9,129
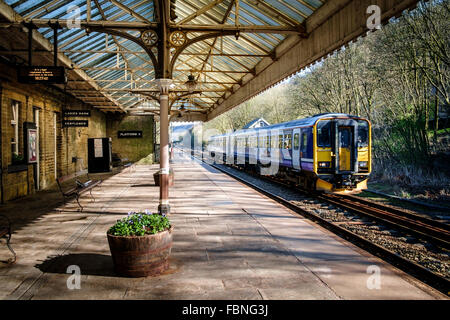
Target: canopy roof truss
x,y
234,48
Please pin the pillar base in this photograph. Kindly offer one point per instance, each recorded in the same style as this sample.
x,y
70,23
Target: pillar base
x,y
164,209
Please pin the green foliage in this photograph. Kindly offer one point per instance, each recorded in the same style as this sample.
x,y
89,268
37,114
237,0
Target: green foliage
x,y
140,224
395,77
17,158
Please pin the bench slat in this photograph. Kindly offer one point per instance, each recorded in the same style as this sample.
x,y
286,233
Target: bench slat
x,y
90,186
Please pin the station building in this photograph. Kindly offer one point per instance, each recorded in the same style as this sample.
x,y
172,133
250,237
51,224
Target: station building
x,y
61,150
130,68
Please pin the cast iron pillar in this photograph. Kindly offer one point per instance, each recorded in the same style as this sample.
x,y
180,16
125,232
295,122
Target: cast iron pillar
x,y
164,85
163,79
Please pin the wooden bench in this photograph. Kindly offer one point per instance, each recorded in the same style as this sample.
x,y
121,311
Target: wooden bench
x,y
129,165
5,232
78,189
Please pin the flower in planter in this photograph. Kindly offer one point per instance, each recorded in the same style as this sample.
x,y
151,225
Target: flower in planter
x,y
140,224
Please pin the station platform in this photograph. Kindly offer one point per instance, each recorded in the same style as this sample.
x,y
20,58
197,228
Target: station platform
x,y
230,242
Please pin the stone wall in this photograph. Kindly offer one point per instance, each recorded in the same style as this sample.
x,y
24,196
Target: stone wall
x,y
70,143
62,151
132,149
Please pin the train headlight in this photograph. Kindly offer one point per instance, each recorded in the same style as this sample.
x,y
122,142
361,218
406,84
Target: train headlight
x,y
363,164
324,164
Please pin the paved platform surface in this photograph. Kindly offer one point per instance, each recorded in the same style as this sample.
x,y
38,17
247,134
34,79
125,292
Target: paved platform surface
x,y
230,242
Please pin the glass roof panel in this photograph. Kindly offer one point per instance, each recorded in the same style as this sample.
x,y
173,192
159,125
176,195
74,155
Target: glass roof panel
x,y
115,62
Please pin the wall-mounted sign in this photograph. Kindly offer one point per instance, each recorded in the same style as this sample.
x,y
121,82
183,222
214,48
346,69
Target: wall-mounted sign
x,y
41,74
75,123
76,113
129,134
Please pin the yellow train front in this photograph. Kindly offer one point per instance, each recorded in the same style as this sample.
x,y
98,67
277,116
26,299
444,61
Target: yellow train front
x,y
342,153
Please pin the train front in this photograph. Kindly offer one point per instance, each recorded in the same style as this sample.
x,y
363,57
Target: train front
x,y
342,153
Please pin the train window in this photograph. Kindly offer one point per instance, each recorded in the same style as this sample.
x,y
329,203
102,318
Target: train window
x,y
363,134
304,146
324,134
280,141
288,141
296,141
268,142
345,138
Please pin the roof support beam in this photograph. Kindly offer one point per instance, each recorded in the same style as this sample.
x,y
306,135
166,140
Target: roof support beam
x,y
130,25
129,11
199,12
10,15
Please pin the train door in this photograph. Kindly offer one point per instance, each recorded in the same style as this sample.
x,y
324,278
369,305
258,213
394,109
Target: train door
x,y
296,149
345,148
287,148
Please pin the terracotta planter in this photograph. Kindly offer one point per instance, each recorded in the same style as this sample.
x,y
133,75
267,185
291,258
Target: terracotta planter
x,y
171,178
141,256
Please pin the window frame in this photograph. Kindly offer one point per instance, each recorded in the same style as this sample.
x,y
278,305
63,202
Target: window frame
x,y
15,121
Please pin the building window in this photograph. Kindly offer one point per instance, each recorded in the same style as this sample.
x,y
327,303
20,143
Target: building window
x,y
15,105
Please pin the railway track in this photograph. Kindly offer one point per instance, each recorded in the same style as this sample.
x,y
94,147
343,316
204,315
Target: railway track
x,y
421,227
414,224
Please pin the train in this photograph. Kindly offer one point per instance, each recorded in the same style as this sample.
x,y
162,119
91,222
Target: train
x,y
328,152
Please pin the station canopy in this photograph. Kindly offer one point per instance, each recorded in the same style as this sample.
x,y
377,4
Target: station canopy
x,y
230,49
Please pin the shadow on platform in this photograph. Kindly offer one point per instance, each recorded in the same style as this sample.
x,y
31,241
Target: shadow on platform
x,y
90,264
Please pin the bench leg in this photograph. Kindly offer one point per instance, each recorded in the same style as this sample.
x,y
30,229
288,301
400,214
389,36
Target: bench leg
x,y
78,201
90,192
10,249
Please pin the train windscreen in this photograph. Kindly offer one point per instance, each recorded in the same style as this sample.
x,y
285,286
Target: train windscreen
x,y
363,133
324,133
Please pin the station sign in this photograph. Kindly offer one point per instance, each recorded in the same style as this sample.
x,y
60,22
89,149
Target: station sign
x,y
75,123
129,134
41,74
76,113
